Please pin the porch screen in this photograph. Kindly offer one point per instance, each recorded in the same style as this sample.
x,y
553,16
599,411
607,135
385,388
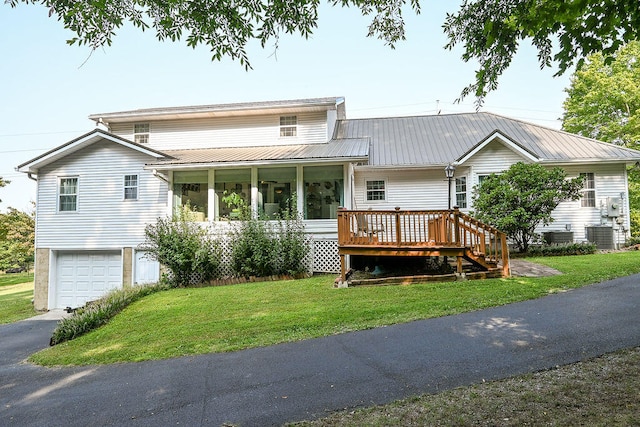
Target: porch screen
x,y
190,194
276,187
233,192
323,191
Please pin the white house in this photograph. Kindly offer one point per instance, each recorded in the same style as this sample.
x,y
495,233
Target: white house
x,y
97,192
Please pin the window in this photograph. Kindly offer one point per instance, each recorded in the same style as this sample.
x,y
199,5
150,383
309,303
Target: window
x,y
141,133
376,190
589,190
288,126
461,192
233,192
131,187
323,191
276,188
191,195
68,195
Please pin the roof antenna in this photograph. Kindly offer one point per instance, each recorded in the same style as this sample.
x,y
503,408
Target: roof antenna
x,y
438,107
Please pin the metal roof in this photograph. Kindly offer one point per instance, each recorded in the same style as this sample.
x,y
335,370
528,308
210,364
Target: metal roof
x,y
221,110
353,149
442,139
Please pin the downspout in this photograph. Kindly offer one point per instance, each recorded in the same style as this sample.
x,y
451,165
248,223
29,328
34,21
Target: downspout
x,y
30,176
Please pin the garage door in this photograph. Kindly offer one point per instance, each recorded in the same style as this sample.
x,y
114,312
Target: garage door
x,y
85,276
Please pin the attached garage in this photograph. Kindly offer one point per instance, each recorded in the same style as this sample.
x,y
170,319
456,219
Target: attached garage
x,y
85,276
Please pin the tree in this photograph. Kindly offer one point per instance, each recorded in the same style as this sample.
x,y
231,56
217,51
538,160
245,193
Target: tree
x,y
489,30
604,99
564,32
225,27
603,102
3,182
17,239
523,197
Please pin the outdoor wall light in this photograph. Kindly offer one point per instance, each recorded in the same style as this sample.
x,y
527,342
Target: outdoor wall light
x,y
449,171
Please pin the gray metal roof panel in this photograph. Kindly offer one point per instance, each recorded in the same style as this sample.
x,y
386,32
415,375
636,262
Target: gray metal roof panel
x,y
441,139
354,148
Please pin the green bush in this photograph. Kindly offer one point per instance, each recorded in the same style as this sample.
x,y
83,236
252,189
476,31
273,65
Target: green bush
x,y
253,251
265,248
184,248
561,250
96,313
292,245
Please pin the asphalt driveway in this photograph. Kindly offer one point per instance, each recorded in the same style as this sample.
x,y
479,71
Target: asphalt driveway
x,y
289,382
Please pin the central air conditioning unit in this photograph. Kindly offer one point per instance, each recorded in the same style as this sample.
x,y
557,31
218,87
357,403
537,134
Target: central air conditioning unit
x,y
557,237
601,235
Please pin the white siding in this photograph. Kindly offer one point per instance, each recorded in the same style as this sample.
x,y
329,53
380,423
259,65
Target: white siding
x,y
427,189
103,218
248,131
610,181
407,189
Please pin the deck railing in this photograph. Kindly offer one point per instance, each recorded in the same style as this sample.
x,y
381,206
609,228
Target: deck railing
x,y
406,229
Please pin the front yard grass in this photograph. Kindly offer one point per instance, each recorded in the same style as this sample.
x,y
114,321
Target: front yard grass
x,y
597,392
191,321
15,300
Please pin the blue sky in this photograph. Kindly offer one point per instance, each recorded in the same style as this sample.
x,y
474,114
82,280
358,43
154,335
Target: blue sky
x,y
48,88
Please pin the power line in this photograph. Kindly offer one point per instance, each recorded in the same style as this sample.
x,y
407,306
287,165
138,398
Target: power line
x,y
38,133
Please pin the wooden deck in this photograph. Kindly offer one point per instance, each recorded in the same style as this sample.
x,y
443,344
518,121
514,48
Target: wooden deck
x,y
449,233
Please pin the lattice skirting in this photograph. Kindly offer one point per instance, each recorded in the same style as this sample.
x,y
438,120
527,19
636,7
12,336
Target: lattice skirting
x,y
323,258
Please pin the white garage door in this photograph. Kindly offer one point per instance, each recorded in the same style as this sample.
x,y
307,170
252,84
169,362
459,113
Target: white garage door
x,y
85,276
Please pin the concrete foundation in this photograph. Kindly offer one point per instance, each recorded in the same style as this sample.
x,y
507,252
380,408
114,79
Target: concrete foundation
x,y
41,280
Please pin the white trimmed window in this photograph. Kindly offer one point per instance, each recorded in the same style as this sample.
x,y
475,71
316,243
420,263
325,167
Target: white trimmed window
x,y
288,126
588,190
376,190
131,187
141,133
461,192
68,195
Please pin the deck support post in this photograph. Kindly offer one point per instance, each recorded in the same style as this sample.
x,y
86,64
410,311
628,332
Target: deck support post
x,y
506,271
343,269
398,229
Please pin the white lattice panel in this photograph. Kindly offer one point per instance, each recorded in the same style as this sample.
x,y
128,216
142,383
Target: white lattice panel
x,y
325,256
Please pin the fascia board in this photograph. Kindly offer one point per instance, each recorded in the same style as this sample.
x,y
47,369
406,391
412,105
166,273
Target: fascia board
x,y
189,166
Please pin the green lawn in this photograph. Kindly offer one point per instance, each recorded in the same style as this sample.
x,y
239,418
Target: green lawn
x,y
15,279
15,299
192,321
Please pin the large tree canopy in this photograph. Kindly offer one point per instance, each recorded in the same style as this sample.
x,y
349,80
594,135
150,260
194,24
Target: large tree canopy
x,y
603,102
604,99
563,32
225,26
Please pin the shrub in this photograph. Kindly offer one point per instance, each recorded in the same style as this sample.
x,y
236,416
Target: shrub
x,y
184,248
561,250
96,313
265,248
253,252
